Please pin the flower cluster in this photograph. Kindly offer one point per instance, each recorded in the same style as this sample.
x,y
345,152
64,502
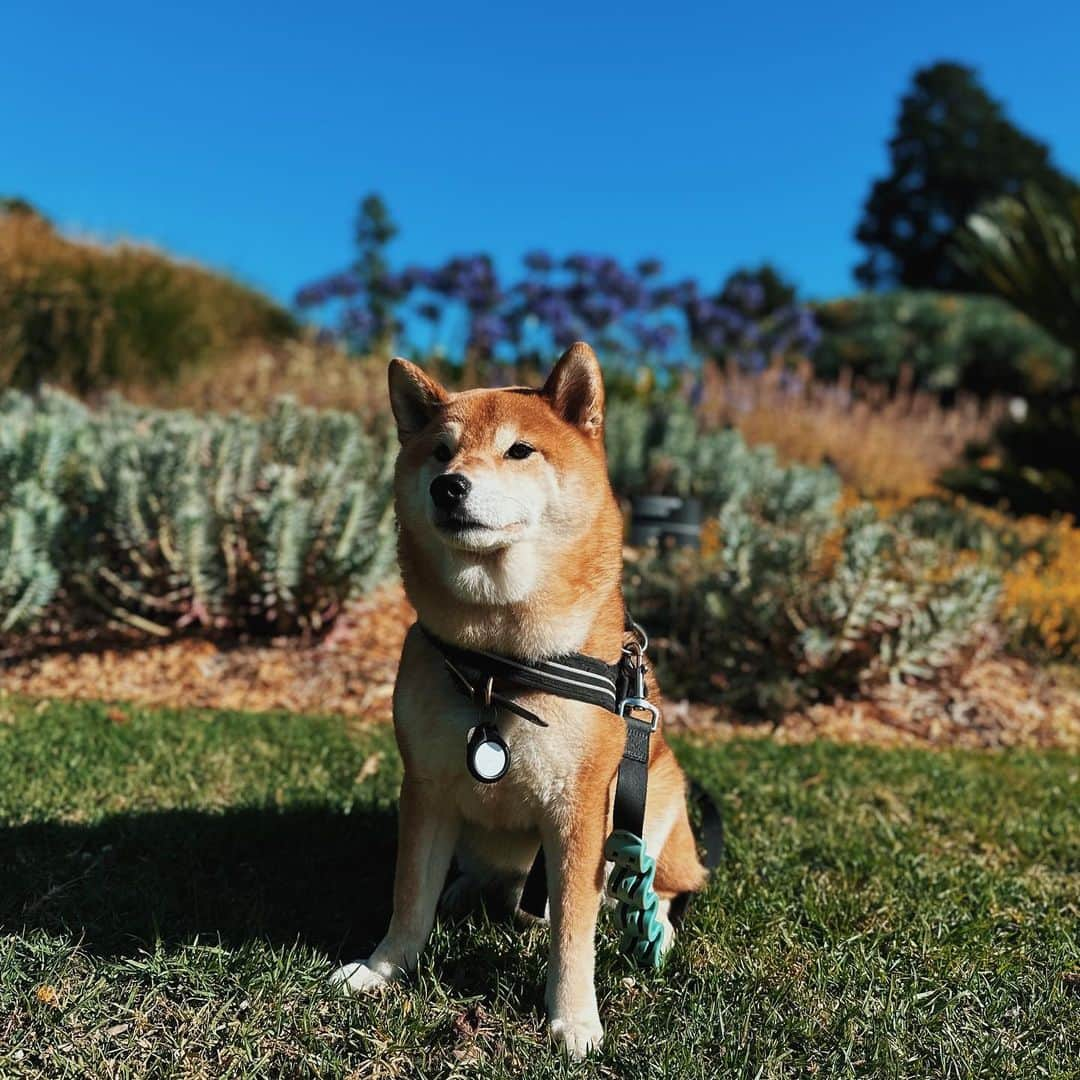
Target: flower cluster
x,y
625,311
740,322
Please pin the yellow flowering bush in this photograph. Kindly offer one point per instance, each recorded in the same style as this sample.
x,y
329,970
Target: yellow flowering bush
x,y
1041,598
1038,558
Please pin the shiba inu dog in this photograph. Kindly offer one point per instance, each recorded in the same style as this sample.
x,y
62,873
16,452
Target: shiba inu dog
x,y
511,542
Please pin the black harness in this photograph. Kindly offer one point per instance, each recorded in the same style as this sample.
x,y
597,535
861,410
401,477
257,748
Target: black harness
x,y
491,680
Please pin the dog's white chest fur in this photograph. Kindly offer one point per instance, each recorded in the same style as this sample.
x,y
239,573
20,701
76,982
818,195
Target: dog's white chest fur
x,y
434,719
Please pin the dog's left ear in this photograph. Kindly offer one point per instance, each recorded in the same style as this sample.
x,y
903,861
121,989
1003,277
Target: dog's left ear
x,y
575,389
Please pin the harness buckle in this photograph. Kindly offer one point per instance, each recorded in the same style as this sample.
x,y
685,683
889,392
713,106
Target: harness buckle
x,y
629,704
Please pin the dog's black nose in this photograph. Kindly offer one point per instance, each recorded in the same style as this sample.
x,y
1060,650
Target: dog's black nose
x,y
449,489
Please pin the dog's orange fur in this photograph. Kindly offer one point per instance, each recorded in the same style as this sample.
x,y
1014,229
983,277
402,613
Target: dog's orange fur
x,y
560,785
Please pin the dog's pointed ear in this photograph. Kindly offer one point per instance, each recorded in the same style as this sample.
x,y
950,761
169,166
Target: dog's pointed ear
x,y
575,389
414,396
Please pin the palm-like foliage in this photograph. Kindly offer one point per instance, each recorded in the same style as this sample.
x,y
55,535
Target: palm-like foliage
x,y
1027,250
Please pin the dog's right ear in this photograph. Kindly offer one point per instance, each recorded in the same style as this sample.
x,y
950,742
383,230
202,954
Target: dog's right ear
x,y
575,389
414,397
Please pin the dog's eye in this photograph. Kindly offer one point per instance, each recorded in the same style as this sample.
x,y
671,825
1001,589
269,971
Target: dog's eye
x,y
519,451
442,453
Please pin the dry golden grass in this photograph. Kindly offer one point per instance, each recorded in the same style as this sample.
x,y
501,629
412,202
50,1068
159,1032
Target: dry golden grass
x,y
318,375
886,445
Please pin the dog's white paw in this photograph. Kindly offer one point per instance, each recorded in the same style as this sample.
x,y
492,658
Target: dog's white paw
x,y
358,978
669,935
576,1035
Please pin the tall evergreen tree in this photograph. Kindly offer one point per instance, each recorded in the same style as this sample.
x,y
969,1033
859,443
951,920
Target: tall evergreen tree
x,y
954,149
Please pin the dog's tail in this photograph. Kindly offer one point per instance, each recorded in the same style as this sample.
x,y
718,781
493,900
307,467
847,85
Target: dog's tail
x,y
709,828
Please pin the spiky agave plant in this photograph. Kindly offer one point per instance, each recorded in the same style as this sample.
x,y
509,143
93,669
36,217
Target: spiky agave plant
x,y
159,520
37,445
263,526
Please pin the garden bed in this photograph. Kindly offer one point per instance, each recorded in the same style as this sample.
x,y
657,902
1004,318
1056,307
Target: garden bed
x,y
992,701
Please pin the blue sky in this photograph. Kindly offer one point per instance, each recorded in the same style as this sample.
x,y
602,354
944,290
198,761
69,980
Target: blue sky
x,y
710,135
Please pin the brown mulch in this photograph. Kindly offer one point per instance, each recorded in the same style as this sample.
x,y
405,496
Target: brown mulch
x,y
350,672
994,701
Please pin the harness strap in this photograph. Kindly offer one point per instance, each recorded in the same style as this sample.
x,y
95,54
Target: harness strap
x,y
574,676
485,695
632,784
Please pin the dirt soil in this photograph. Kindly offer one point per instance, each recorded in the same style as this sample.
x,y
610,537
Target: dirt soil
x,y
995,701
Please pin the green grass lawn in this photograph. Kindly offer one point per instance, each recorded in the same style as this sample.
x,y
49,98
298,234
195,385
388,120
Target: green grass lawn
x,y
175,887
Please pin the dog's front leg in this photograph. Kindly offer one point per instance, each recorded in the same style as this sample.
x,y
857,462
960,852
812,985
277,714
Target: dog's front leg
x,y
575,871
427,832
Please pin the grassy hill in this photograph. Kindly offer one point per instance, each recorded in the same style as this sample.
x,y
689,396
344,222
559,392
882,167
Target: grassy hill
x,y
88,315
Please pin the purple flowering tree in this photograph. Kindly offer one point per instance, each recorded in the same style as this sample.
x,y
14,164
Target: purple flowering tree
x,y
629,313
753,318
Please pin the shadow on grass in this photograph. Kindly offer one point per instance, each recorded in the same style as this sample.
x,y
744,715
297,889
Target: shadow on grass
x,y
314,875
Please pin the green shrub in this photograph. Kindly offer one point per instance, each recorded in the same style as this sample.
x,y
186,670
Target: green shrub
x,y
1038,558
89,316
664,450
163,519
975,343
787,602
160,520
768,621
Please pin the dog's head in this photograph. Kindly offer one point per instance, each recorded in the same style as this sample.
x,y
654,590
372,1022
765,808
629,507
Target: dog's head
x,y
486,472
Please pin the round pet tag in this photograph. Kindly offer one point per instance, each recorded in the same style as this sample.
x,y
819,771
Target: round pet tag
x,y
487,755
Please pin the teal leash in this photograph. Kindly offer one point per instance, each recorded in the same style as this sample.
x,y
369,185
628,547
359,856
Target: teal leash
x,y
637,906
